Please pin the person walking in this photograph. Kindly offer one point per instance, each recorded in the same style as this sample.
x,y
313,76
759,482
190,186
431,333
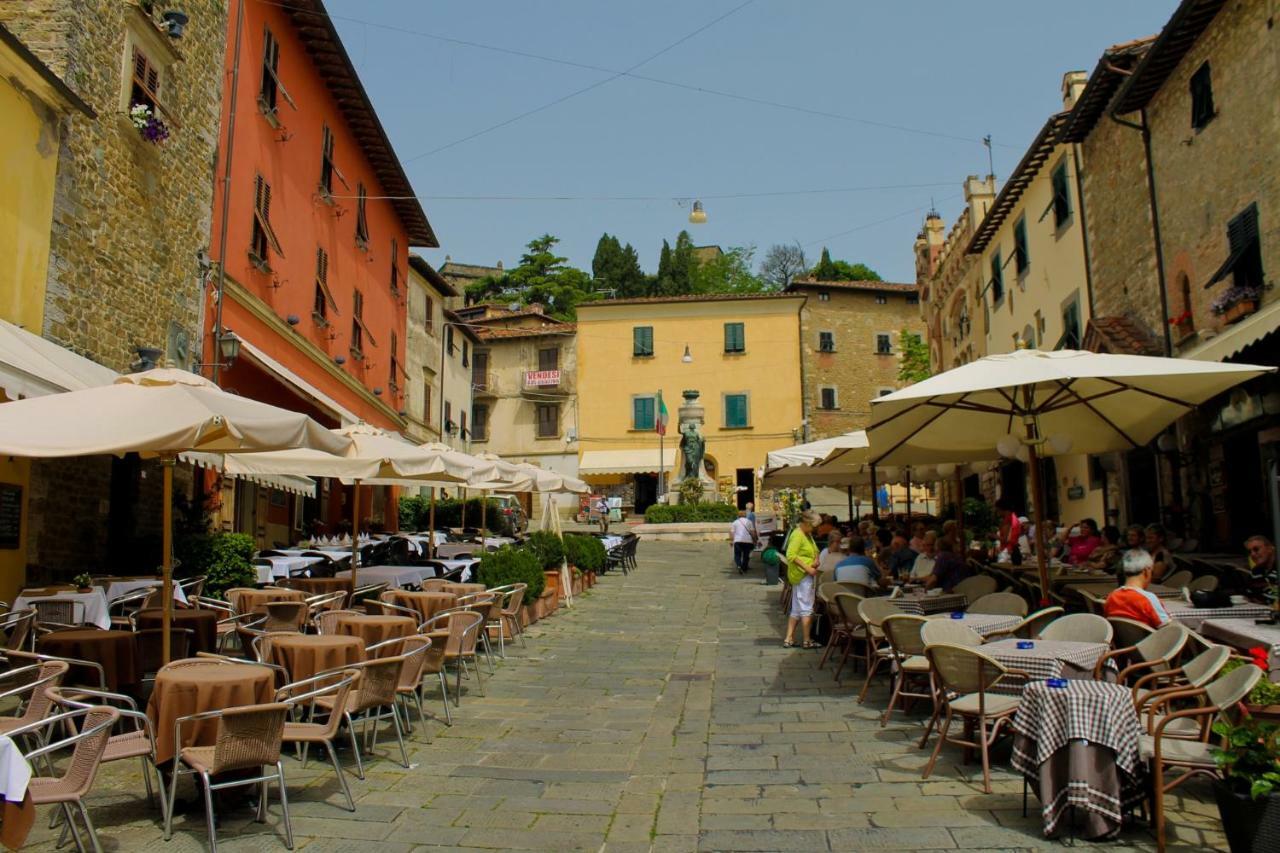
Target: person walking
x,y
745,538
602,507
802,569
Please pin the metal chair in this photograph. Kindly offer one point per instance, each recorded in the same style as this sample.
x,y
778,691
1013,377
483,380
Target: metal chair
x,y
873,612
16,625
1156,652
192,587
413,652
301,696
379,680
999,603
460,645
33,679
54,614
508,615
904,634
1197,672
976,587
1030,627
326,621
96,679
248,738
121,610
1078,627
150,645
849,631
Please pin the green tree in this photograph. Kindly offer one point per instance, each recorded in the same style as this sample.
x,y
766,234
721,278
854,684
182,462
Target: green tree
x,y
914,365
662,285
682,264
824,270
543,277
829,270
728,273
616,267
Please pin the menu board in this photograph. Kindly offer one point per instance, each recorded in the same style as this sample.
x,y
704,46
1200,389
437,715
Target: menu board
x,y
10,515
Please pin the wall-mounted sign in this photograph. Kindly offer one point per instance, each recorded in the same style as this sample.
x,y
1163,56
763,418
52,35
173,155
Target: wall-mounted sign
x,y
10,515
534,378
1075,493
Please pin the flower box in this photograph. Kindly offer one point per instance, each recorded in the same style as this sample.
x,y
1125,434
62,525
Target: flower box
x,y
1239,310
549,601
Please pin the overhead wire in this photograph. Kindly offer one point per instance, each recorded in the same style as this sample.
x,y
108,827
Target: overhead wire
x,y
681,197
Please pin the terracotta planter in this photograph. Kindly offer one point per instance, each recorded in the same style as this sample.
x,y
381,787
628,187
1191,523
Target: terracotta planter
x,y
553,583
527,616
550,602
1239,311
577,585
590,579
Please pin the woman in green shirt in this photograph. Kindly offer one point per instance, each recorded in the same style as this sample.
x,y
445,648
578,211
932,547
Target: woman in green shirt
x,y
802,570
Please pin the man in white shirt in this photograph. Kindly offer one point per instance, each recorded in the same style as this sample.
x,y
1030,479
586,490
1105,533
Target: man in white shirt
x,y
744,540
923,566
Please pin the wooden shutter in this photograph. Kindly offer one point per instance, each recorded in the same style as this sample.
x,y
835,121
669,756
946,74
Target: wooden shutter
x,y
1020,251
735,410
734,337
362,226
395,266
262,211
642,413
642,340
358,319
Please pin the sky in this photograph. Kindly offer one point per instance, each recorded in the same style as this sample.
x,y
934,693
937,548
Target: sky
x,y
883,109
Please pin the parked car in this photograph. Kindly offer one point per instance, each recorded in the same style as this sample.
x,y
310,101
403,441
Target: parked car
x,y
513,511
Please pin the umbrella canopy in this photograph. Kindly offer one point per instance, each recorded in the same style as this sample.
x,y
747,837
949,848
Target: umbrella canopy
x,y
815,451
793,467
543,480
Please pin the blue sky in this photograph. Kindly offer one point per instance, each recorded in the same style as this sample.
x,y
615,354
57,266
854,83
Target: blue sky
x,y
955,71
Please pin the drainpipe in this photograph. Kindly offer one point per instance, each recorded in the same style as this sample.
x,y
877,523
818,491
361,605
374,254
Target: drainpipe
x,y
1084,230
226,193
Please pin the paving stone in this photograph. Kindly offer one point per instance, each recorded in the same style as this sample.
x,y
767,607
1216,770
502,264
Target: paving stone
x,y
729,839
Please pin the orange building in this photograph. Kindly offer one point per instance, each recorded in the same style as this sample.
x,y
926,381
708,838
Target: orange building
x,y
312,224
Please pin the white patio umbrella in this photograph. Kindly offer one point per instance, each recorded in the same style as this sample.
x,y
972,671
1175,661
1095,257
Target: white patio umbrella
x,y
370,456
1071,401
157,413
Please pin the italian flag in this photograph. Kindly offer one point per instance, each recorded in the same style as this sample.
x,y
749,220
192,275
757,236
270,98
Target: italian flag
x,y
660,421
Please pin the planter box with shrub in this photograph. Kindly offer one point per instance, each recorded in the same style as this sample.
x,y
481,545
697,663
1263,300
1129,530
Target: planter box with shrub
x,y
689,513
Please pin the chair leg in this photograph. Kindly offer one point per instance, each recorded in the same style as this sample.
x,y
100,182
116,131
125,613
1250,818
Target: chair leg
x,y
457,685
898,678
942,738
355,745
146,777
488,652
872,669
342,777
69,823
937,710
479,675
444,694
164,799
284,804
986,757
395,719
422,715
173,793
1157,793
208,814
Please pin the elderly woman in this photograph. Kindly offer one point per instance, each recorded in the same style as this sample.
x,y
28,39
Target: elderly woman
x,y
802,569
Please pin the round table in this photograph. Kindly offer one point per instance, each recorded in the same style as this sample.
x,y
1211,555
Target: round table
x,y
463,588
204,624
376,629
304,655
319,586
427,604
252,601
198,687
117,651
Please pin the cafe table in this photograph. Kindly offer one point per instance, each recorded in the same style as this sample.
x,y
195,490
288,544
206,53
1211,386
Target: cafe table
x,y
1193,617
120,587
95,602
466,564
922,604
427,604
203,624
115,651
196,685
1077,746
1245,634
397,576
372,629
985,624
1047,658
304,655
255,600
451,550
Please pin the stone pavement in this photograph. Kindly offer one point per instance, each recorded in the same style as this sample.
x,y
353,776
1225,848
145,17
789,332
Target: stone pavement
x,y
661,713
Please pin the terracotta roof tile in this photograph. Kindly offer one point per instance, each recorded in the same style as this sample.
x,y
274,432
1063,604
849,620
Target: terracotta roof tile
x,y
885,286
692,297
1121,336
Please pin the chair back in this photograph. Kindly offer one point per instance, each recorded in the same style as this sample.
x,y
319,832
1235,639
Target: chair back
x,y
1129,632
962,669
150,645
1164,644
1206,583
513,599
976,587
1204,667
193,586
285,615
1226,690
90,743
337,684
945,631
1095,603
326,621
873,612
847,603
859,589
235,597
826,591
379,679
248,736
323,601
1079,628
1030,628
904,633
60,611
413,654
1178,579
999,603
34,678
433,585
17,626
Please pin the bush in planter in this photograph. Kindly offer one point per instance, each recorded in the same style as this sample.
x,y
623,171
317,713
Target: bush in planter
x,y
226,559
1265,692
415,514
510,565
1249,793
585,552
660,514
685,513
547,547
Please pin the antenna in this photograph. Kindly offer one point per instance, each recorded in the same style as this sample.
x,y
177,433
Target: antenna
x,y
991,165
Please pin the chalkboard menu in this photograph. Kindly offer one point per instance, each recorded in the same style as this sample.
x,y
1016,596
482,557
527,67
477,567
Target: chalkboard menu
x,y
10,515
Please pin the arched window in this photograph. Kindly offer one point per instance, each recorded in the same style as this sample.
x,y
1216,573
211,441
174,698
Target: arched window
x,y
1187,321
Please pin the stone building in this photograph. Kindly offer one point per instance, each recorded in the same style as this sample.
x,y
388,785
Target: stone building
x,y
457,392
461,275
424,351
128,244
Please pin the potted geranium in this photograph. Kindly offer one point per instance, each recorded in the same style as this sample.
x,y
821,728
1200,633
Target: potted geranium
x,y
83,582
1236,302
1263,701
1249,793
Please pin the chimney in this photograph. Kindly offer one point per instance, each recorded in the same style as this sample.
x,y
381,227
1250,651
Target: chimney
x,y
1073,83
979,193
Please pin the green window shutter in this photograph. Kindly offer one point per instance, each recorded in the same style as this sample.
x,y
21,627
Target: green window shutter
x,y
1021,253
735,410
642,340
735,339
642,413
1061,195
997,279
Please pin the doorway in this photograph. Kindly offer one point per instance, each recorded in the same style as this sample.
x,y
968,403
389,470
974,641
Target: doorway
x,y
746,487
1013,486
1141,483
646,491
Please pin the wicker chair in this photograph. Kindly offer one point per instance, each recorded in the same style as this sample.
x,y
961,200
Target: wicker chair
x,y
1157,652
460,643
484,603
229,621
1000,603
323,602
976,587
964,676
1197,672
121,610
873,612
1178,579
507,618
379,681
285,616
192,587
1180,739
326,621
301,696
248,738
850,630
413,651
88,746
1030,627
1205,583
55,614
16,625
33,679
150,646
1079,628
904,634
945,631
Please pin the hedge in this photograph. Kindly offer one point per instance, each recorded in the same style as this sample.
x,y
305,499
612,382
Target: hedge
x,y
510,565
586,553
684,513
415,514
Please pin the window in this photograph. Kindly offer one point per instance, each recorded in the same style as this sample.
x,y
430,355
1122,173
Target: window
x,y
881,299
823,296
431,315
462,424
394,379
480,422
357,322
826,342
736,415
448,338
324,298
426,402
549,358
997,279
1070,325
1201,97
328,166
548,419
271,87
735,337
395,267
1242,237
145,84
1061,204
466,353
913,299
362,224
480,370
884,343
643,412
1021,256
263,236
827,398
881,392
642,341
448,417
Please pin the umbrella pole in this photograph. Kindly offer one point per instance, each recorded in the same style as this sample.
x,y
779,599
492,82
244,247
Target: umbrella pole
x,y
849,492
463,525
431,524
908,498
166,538
875,497
959,497
355,530
484,499
1037,503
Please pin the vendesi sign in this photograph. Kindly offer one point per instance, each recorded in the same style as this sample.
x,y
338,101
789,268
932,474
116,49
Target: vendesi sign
x,y
541,377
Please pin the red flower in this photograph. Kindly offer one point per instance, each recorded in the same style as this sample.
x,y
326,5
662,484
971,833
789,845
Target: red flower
x,y
1261,657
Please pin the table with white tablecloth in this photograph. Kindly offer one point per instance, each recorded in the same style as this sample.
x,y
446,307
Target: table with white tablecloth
x,y
120,588
95,603
985,624
922,604
1245,634
1193,617
19,813
284,567
397,576
467,564
450,550
1047,658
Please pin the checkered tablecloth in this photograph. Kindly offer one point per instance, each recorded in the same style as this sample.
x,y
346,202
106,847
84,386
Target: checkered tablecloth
x,y
985,624
1046,658
921,604
1193,617
1246,634
1092,712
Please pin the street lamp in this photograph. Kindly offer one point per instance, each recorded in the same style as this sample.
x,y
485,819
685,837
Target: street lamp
x,y
687,358
697,216
228,350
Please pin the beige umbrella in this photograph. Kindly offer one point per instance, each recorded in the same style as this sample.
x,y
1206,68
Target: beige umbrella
x,y
371,456
1068,400
157,413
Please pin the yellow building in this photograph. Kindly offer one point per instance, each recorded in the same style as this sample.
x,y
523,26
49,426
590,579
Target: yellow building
x,y
741,353
35,104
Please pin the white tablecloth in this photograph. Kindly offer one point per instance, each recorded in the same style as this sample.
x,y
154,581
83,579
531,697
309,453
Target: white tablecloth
x,y
498,541
398,576
466,564
119,589
1192,617
283,567
15,772
610,542
95,605
1247,634
450,550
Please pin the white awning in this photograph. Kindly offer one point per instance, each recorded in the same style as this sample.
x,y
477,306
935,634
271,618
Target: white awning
x,y
31,366
302,386
1225,344
638,461
297,485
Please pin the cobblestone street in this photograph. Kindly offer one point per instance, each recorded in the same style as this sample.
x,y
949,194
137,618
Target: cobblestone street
x,y
660,713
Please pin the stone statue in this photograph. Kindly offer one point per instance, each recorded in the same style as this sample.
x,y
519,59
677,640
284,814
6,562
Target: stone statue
x,y
692,447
